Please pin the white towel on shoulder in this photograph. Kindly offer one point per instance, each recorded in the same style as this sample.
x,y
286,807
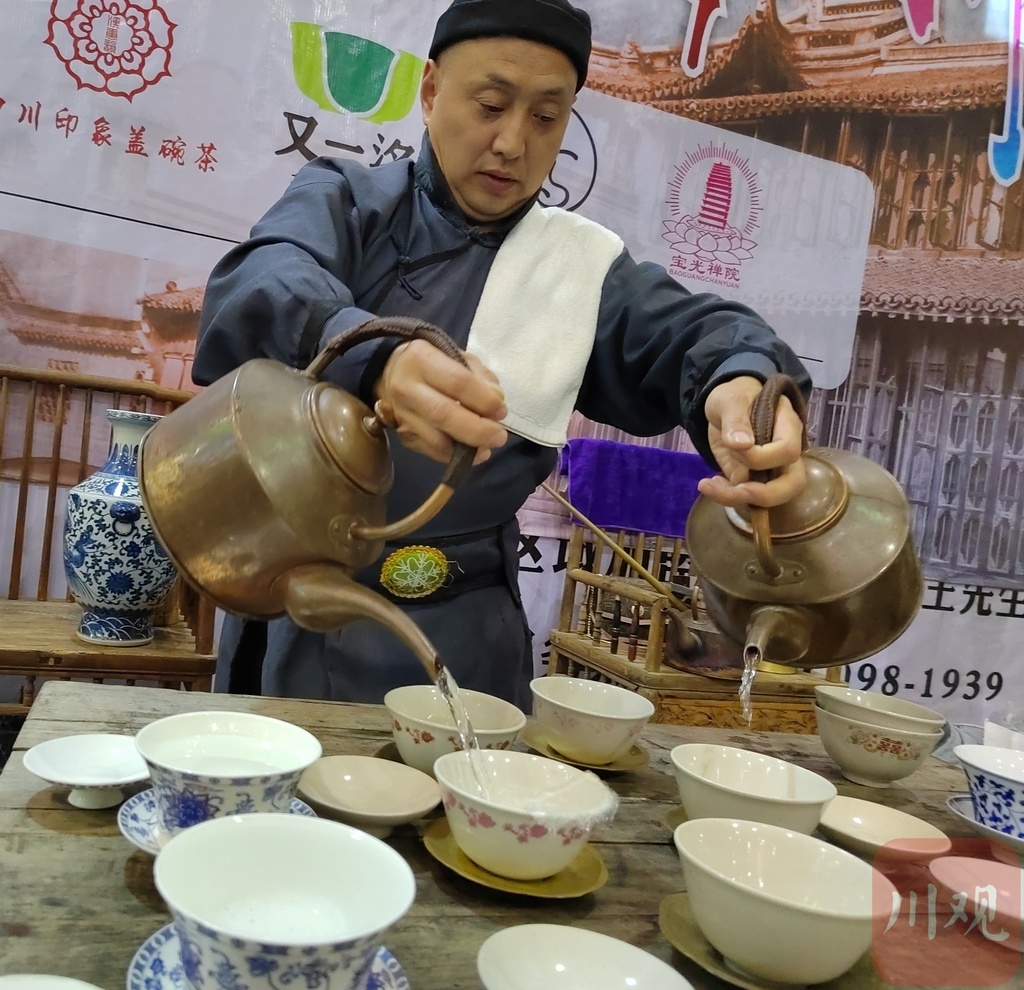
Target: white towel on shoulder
x,y
537,317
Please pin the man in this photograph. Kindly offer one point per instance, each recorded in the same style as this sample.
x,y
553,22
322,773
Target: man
x,y
554,315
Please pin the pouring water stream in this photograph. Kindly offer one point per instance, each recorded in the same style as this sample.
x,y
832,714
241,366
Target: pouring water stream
x,y
542,800
468,741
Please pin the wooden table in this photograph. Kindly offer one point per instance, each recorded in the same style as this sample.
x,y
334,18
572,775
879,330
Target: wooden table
x,y
77,899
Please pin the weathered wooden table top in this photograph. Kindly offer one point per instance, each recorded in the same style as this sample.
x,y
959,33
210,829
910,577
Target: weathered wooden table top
x,y
77,899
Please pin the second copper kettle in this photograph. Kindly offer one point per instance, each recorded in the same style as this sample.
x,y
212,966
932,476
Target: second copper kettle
x,y
825,579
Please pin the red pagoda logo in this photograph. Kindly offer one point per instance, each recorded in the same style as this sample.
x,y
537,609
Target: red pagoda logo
x,y
118,47
715,202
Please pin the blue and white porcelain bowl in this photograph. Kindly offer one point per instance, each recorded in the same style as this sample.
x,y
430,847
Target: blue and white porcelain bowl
x,y
208,765
995,778
262,902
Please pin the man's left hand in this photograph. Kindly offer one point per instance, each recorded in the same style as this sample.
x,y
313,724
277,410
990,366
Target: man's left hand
x,y
731,437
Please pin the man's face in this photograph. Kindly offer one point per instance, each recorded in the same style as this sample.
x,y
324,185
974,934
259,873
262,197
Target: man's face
x,y
496,110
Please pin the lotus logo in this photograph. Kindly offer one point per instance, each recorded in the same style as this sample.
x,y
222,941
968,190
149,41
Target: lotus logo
x,y
118,47
344,73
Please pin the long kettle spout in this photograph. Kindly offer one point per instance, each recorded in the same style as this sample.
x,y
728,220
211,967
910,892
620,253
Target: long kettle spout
x,y
777,633
322,597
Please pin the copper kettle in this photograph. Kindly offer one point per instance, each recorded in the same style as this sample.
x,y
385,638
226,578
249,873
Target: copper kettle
x,y
267,489
829,577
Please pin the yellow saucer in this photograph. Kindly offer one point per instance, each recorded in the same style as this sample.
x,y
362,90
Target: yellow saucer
x,y
533,736
679,926
585,874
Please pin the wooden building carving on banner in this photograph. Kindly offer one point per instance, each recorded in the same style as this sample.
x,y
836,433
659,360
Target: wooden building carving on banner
x,y
170,324
156,346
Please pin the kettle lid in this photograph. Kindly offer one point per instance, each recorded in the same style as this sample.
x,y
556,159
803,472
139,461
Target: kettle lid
x,y
848,526
352,438
823,500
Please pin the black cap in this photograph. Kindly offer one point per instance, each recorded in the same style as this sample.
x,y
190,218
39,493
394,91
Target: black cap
x,y
551,22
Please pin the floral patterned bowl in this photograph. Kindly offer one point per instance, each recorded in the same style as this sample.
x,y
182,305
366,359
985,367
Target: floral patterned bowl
x,y
263,902
216,764
995,777
423,727
588,721
882,710
520,815
872,755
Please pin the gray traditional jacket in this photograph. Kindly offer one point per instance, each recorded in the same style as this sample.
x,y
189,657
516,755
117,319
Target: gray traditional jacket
x,y
390,241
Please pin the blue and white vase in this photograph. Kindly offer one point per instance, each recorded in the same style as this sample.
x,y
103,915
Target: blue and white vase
x,y
116,568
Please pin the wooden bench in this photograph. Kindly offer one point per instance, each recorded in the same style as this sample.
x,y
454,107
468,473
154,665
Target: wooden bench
x,y
54,433
588,642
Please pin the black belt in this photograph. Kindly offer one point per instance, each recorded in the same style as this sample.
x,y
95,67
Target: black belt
x,y
460,539
458,586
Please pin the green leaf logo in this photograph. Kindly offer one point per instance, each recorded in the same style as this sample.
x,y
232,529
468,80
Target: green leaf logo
x,y
344,73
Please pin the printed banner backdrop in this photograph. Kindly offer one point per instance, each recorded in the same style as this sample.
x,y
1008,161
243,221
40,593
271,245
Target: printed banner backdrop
x,y
851,171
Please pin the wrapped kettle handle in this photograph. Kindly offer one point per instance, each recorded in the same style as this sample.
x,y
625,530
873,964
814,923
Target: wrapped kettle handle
x,y
762,418
409,328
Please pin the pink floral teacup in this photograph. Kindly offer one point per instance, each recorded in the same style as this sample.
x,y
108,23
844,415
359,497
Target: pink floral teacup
x,y
423,727
520,815
589,721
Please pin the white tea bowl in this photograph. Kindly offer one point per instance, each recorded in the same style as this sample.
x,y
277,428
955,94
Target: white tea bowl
x,y
423,727
780,905
519,815
560,957
213,764
995,778
369,793
588,721
870,755
273,898
727,782
883,710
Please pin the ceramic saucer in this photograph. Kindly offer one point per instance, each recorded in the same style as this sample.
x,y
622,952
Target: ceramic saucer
x,y
680,927
871,829
39,981
372,794
137,820
1005,847
585,874
97,766
563,957
157,966
533,736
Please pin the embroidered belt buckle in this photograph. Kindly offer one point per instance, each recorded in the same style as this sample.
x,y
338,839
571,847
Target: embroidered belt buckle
x,y
414,572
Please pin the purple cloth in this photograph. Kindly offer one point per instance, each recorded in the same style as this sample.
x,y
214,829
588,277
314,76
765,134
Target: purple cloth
x,y
624,486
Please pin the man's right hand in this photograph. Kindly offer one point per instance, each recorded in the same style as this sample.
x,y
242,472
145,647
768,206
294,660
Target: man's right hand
x,y
432,400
